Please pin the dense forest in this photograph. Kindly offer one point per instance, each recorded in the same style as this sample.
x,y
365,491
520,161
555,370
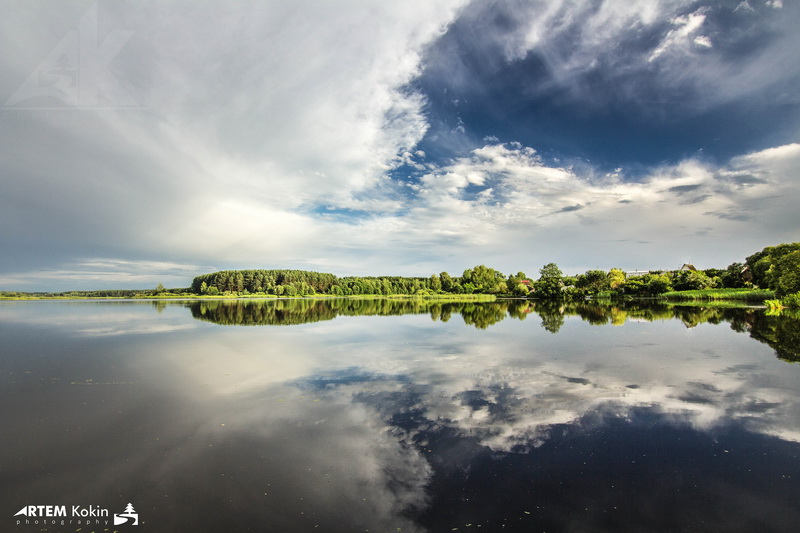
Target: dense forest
x,y
775,268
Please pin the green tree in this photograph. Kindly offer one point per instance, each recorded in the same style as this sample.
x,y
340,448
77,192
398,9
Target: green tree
x,y
518,284
733,277
519,289
386,287
550,284
760,264
691,280
592,282
616,277
635,285
484,279
786,272
238,285
447,282
657,284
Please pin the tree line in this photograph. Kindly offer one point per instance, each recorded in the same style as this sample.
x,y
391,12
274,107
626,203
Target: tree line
x,y
775,267
278,282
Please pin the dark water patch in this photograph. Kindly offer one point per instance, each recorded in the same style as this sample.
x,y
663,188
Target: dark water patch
x,y
640,473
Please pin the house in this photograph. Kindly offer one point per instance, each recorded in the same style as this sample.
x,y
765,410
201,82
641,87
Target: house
x,y
687,267
747,274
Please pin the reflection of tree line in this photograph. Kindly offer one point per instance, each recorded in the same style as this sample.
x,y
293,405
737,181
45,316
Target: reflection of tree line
x,y
262,312
301,311
782,333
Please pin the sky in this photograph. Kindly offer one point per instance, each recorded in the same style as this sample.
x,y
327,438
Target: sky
x,y
149,142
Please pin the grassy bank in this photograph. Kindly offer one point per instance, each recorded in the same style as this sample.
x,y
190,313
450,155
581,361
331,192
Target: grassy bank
x,y
20,296
747,295
458,297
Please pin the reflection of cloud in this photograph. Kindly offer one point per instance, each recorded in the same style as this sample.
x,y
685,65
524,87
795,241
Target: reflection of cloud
x,y
332,421
274,457
85,318
705,375
510,402
301,462
359,467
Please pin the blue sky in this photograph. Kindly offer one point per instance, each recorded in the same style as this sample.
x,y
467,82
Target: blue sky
x,y
148,142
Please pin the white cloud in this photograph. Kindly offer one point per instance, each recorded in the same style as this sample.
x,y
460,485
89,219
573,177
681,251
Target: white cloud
x,y
295,92
703,41
503,194
678,40
249,116
97,273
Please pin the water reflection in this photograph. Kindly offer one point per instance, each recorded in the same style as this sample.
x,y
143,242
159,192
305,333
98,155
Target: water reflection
x,y
445,416
781,332
302,311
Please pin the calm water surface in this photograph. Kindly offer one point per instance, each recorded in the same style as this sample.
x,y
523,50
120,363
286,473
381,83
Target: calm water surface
x,y
389,416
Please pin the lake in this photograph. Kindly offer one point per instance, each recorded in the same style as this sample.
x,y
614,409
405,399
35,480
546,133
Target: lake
x,y
397,416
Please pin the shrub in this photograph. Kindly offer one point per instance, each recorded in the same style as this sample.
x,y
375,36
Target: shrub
x,y
690,280
774,305
792,301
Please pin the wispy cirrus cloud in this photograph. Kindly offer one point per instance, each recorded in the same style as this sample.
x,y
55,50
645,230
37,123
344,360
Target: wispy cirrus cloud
x,y
617,83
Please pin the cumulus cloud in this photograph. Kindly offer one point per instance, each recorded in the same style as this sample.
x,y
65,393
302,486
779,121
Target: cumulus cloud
x,y
245,116
501,192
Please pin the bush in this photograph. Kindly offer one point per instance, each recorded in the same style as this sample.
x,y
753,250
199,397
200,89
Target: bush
x,y
774,305
647,285
792,301
690,280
